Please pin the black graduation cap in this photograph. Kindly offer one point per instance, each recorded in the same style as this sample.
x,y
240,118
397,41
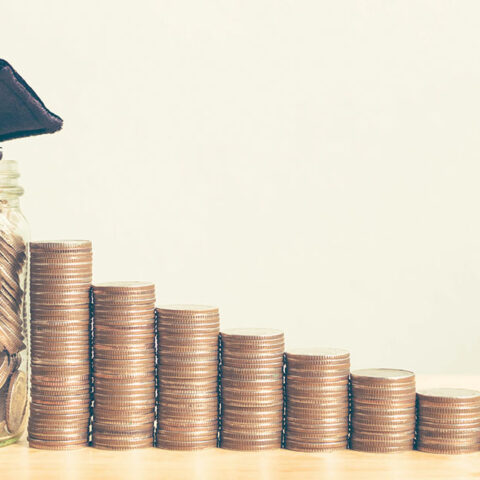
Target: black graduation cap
x,y
22,113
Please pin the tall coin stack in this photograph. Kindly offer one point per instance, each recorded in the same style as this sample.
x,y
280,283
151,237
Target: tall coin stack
x,y
187,410
251,389
317,399
61,276
448,420
123,365
383,410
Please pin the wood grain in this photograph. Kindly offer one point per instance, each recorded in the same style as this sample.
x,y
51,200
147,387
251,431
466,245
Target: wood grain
x,y
20,462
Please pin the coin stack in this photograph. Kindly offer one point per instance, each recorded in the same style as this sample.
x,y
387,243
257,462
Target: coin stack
x,y
124,365
316,399
251,389
12,274
187,410
61,276
383,410
448,420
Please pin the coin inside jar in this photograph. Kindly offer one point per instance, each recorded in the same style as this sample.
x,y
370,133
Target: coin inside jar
x,y
13,274
16,402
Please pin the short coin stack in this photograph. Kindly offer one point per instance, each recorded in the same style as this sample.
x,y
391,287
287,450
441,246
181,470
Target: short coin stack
x,y
124,365
187,410
317,399
251,389
448,420
383,410
61,276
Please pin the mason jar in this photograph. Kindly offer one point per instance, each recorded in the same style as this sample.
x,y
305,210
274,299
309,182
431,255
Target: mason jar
x,y
14,236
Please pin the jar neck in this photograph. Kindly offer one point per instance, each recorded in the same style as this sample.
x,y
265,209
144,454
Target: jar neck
x,y
10,190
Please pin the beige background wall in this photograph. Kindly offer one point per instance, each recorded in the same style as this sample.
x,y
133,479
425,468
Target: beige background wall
x,y
306,165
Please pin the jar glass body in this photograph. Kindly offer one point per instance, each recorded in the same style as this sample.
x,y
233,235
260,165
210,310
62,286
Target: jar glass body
x,y
14,312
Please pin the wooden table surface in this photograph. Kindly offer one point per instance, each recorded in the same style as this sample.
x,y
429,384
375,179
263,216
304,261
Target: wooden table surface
x,y
20,462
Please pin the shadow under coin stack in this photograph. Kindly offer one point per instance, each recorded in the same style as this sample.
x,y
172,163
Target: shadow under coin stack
x,y
448,420
383,410
187,410
61,276
251,389
317,399
124,365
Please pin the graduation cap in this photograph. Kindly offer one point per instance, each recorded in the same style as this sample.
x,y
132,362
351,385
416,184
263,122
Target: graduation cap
x,y
22,113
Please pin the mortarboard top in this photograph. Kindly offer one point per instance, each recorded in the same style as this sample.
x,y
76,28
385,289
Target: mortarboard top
x,y
22,113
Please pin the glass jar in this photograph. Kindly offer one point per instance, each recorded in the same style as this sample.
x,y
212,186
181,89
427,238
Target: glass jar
x,y
14,236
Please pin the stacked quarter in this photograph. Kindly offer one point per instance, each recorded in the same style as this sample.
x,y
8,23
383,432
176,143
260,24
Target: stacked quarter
x,y
316,399
123,365
383,410
251,389
448,420
60,281
187,410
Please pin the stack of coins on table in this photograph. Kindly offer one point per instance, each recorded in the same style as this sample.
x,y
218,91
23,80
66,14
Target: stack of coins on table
x,y
448,420
61,276
316,399
187,410
383,410
251,389
124,365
